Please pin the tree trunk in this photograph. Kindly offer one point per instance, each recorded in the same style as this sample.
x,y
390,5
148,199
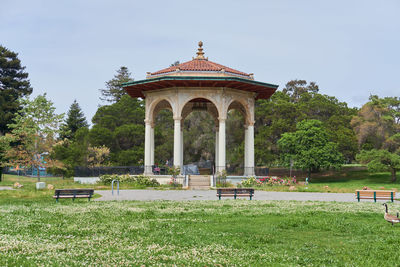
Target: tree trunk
x,y
38,173
309,174
1,173
393,175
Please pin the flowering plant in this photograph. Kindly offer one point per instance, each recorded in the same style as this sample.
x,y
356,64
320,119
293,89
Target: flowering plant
x,y
268,180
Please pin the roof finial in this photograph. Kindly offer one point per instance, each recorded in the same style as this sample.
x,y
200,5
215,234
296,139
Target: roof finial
x,y
200,53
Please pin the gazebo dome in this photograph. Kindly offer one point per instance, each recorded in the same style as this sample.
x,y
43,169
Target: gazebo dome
x,y
200,72
200,66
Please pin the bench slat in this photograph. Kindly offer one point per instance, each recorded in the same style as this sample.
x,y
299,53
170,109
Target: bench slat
x,y
235,192
375,194
73,193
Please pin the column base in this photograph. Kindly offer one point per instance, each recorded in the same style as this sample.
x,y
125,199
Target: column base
x,y
249,171
148,170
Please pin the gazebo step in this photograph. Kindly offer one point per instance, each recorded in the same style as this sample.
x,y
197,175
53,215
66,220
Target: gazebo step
x,y
199,182
199,187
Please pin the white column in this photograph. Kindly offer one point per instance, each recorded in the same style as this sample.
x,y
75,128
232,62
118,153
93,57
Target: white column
x,y
216,147
182,148
152,146
147,149
246,150
221,145
177,142
250,152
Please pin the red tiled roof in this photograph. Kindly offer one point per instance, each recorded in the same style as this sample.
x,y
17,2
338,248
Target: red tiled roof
x,y
200,65
138,88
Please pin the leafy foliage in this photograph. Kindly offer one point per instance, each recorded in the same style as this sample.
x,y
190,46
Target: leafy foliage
x,y
139,180
34,133
72,152
377,126
120,127
378,160
97,155
296,102
309,147
377,121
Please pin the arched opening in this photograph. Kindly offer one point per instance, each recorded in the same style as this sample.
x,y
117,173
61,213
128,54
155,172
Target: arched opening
x,y
161,137
199,122
236,125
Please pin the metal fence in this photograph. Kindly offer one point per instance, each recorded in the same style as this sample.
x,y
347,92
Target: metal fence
x,y
163,170
245,171
28,172
98,171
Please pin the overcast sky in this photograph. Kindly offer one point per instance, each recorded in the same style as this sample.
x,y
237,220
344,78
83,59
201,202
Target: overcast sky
x,y
70,48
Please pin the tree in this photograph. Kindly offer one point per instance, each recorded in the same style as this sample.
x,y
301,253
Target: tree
x,y
296,88
120,127
33,133
377,120
296,102
4,147
309,147
114,90
74,121
97,155
14,84
381,160
377,126
71,152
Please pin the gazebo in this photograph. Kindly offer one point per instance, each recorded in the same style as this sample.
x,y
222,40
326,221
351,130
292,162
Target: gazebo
x,y
200,84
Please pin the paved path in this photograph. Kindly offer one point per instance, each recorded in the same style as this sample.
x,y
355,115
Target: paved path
x,y
180,195
6,188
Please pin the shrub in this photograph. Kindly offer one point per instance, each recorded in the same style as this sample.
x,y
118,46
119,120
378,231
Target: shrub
x,y
221,179
145,180
252,181
270,181
138,180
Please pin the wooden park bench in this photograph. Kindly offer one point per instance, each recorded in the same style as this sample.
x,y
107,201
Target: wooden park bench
x,y
235,192
73,193
375,194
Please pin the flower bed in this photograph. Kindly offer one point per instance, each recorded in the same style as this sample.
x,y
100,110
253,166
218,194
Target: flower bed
x,y
140,180
268,181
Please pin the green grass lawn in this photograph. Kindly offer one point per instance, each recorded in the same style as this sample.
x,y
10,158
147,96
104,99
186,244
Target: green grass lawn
x,y
29,193
197,233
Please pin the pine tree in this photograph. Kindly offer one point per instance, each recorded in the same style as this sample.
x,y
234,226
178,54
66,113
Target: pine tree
x,y
14,84
74,121
114,90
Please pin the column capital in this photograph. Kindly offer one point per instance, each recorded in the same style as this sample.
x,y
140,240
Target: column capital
x,y
250,123
221,119
178,119
147,121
